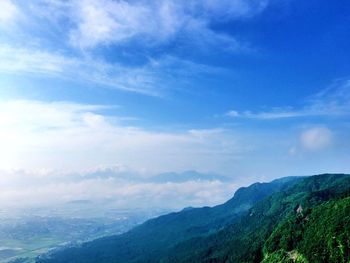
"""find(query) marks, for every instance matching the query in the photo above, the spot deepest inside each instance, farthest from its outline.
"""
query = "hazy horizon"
(127, 90)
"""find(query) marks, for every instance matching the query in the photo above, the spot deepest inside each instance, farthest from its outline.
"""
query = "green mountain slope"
(294, 219)
(313, 235)
(244, 240)
(152, 240)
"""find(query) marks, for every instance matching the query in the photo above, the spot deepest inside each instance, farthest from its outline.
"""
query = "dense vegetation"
(315, 235)
(288, 220)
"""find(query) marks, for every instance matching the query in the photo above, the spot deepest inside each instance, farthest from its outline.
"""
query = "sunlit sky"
(253, 90)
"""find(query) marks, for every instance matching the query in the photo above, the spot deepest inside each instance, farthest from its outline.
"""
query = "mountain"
(187, 176)
(172, 177)
(312, 235)
(265, 222)
(153, 238)
(247, 239)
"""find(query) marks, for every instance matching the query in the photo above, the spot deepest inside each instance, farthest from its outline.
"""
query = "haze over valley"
(174, 131)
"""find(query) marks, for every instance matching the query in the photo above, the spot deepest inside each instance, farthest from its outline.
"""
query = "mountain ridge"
(206, 234)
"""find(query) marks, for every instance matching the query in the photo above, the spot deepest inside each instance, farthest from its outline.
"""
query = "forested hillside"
(303, 219)
(312, 235)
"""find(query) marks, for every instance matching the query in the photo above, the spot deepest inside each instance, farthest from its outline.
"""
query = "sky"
(252, 90)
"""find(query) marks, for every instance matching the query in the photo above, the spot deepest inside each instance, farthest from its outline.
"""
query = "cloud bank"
(21, 189)
(49, 148)
(36, 134)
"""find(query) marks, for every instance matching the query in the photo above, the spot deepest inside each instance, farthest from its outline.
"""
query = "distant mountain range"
(293, 219)
(170, 177)
(188, 176)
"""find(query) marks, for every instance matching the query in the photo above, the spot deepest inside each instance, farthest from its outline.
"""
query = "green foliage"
(326, 237)
(321, 234)
(291, 220)
(151, 241)
(244, 240)
(285, 257)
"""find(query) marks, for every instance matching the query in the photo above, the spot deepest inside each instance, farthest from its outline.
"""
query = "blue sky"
(250, 89)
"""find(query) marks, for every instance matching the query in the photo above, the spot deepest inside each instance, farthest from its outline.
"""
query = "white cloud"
(76, 137)
(33, 61)
(28, 189)
(233, 114)
(87, 24)
(332, 101)
(108, 22)
(271, 115)
(8, 12)
(316, 138)
(150, 79)
(56, 135)
(105, 22)
(51, 147)
(90, 23)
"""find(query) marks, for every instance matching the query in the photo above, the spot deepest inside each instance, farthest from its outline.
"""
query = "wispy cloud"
(280, 113)
(332, 101)
(152, 78)
(113, 22)
(52, 148)
(157, 22)
(48, 64)
(59, 39)
(38, 134)
(89, 24)
(73, 136)
(105, 22)
(8, 12)
(47, 150)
